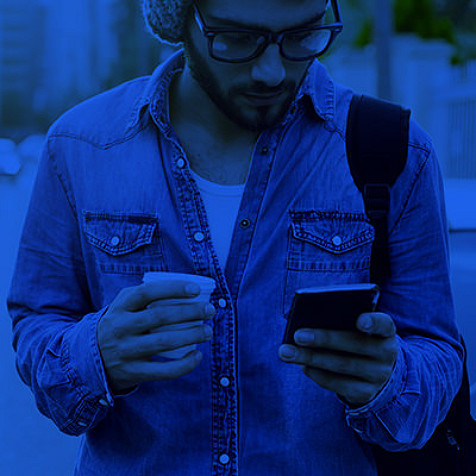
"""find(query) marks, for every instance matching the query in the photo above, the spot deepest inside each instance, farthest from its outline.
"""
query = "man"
(229, 162)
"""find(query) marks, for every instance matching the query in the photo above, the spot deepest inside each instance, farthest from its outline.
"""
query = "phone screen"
(335, 308)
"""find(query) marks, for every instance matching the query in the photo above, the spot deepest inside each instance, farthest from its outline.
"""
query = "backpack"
(377, 147)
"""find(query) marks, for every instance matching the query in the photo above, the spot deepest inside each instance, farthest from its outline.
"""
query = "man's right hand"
(126, 345)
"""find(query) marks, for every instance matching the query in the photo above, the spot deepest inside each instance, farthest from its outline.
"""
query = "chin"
(256, 119)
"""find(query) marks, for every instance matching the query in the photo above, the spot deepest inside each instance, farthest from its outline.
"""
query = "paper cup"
(207, 285)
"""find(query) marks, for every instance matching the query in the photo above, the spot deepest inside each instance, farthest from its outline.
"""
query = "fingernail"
(288, 353)
(210, 309)
(304, 337)
(366, 323)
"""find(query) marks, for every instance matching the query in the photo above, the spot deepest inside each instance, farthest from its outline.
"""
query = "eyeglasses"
(233, 45)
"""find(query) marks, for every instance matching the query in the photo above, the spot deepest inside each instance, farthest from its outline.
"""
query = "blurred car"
(31, 147)
(10, 163)
(460, 198)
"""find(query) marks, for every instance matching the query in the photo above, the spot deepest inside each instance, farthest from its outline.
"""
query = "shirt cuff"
(83, 359)
(356, 417)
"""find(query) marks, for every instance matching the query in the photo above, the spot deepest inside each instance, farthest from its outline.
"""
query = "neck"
(204, 117)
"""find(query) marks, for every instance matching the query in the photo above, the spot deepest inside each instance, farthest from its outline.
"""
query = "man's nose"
(268, 67)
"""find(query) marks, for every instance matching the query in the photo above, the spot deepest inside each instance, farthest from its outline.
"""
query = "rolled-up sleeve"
(418, 297)
(54, 325)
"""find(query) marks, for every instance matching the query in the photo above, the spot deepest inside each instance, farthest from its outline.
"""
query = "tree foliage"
(420, 17)
(461, 13)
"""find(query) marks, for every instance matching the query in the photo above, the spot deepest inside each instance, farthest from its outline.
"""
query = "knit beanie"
(166, 18)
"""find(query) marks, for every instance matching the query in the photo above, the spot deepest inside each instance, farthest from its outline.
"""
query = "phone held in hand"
(331, 307)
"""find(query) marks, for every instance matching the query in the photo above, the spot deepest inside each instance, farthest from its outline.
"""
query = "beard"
(254, 119)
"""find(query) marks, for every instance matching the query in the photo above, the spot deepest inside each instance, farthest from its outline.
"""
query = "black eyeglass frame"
(270, 36)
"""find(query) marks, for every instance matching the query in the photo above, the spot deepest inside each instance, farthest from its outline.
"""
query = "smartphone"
(330, 307)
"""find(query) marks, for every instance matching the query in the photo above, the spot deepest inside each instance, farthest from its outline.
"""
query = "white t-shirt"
(222, 203)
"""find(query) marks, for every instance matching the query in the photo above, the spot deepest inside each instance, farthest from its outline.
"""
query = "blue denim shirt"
(113, 166)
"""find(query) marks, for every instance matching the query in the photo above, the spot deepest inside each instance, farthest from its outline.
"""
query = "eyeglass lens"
(241, 45)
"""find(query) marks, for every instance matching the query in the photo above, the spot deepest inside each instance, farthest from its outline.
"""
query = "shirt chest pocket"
(326, 248)
(128, 244)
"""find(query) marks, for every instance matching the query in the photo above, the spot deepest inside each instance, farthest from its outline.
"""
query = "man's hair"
(166, 19)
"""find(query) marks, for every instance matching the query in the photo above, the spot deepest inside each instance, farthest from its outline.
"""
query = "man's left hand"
(354, 364)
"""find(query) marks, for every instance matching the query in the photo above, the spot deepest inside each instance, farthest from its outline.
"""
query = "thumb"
(376, 323)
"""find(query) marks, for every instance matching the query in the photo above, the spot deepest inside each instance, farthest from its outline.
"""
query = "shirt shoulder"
(418, 139)
(104, 119)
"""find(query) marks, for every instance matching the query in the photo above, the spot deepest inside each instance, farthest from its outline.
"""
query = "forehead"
(272, 14)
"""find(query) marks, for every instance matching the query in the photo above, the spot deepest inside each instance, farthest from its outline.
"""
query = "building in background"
(22, 30)
(79, 48)
(56, 53)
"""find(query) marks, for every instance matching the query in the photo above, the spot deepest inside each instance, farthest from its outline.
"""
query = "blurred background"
(54, 54)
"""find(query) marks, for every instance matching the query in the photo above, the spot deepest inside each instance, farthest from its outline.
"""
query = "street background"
(54, 54)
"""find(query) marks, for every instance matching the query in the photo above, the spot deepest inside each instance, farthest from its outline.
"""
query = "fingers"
(161, 314)
(353, 390)
(138, 297)
(357, 367)
(346, 341)
(374, 340)
(145, 346)
(142, 371)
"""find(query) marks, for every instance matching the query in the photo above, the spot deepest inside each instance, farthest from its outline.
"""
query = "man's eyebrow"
(230, 22)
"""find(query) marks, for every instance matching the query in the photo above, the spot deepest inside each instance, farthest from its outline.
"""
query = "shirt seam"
(49, 253)
(412, 187)
(105, 146)
(73, 209)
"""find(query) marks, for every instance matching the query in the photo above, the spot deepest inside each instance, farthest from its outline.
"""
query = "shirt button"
(222, 303)
(224, 458)
(180, 163)
(81, 423)
(337, 240)
(245, 223)
(103, 402)
(225, 382)
(264, 150)
(115, 241)
(199, 236)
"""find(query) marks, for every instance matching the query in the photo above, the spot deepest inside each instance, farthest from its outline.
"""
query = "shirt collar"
(156, 92)
(317, 86)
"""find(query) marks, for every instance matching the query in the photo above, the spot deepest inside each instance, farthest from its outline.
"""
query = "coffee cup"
(207, 285)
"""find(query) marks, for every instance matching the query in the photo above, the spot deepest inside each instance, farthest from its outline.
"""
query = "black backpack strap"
(377, 148)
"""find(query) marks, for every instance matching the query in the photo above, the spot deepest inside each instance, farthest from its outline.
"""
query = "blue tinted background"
(54, 54)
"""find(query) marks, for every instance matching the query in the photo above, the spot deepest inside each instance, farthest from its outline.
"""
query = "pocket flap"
(118, 234)
(333, 231)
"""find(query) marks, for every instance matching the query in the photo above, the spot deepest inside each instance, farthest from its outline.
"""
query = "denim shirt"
(113, 167)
